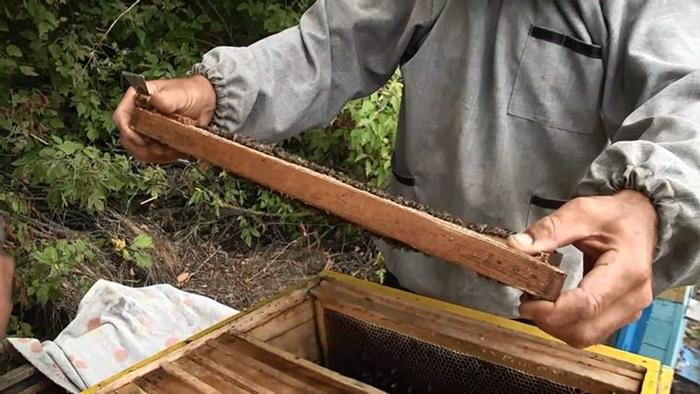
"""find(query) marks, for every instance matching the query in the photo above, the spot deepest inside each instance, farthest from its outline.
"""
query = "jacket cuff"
(603, 181)
(228, 70)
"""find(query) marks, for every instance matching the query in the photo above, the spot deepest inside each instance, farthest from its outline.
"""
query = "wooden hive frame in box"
(403, 222)
(395, 340)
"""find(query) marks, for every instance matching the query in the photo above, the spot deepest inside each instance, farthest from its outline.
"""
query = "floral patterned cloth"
(117, 326)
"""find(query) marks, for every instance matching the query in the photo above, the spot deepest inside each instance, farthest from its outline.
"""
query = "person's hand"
(617, 235)
(191, 97)
(7, 272)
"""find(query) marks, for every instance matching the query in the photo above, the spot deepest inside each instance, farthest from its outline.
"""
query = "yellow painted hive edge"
(653, 367)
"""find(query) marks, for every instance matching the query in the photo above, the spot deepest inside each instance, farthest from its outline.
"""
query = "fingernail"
(523, 239)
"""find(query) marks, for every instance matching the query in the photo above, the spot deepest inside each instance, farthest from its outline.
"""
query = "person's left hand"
(617, 235)
(7, 272)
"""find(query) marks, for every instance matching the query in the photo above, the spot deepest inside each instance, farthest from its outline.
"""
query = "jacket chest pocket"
(559, 82)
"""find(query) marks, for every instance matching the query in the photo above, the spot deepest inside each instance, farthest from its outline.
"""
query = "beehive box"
(339, 334)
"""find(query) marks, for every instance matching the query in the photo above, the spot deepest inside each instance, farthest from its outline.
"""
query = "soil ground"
(223, 269)
(241, 279)
(219, 266)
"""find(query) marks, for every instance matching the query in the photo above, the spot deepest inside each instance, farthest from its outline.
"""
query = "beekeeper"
(577, 122)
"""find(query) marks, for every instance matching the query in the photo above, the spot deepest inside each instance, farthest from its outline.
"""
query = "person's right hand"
(193, 97)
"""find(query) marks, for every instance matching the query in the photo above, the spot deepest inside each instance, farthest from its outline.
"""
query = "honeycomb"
(398, 363)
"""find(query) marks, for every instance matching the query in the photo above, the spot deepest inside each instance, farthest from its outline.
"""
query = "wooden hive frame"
(281, 346)
(489, 256)
(23, 378)
(26, 379)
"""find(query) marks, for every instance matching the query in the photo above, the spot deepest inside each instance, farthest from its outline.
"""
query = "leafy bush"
(137, 251)
(61, 165)
(53, 260)
(75, 174)
(362, 136)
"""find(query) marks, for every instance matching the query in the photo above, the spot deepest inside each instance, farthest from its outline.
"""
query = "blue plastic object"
(689, 365)
(658, 334)
(630, 337)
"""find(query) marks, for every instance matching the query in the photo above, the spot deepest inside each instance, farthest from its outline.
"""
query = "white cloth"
(117, 326)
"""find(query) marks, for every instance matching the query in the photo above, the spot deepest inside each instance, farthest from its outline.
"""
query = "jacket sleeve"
(654, 78)
(301, 77)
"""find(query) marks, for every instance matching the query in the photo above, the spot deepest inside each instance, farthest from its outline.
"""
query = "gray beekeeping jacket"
(508, 108)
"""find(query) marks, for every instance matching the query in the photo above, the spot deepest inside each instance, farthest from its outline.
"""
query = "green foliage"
(138, 251)
(77, 174)
(11, 203)
(275, 16)
(20, 328)
(249, 232)
(363, 135)
(60, 155)
(216, 193)
(372, 139)
(53, 263)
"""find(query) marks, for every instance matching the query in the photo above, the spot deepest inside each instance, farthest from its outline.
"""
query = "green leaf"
(247, 238)
(13, 51)
(91, 152)
(28, 71)
(56, 123)
(69, 147)
(142, 241)
(92, 134)
(81, 108)
(95, 201)
(143, 260)
(25, 329)
(42, 294)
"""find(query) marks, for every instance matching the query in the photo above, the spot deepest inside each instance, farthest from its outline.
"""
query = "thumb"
(568, 224)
